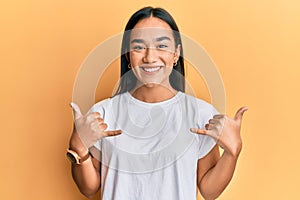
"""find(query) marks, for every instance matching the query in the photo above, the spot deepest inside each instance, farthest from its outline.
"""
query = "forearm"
(217, 178)
(87, 174)
(86, 177)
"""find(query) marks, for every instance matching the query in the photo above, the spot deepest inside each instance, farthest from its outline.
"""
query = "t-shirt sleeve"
(206, 143)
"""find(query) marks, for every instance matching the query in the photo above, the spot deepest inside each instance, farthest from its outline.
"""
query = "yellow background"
(255, 45)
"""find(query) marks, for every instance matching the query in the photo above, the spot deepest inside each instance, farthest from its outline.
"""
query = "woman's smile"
(151, 69)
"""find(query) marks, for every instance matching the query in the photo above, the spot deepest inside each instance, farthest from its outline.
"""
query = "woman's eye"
(138, 48)
(162, 46)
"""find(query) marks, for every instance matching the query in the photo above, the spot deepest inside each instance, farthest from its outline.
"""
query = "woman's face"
(153, 52)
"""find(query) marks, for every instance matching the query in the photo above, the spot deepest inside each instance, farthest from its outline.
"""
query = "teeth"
(151, 69)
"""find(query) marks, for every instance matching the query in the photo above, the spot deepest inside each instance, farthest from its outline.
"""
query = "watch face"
(71, 157)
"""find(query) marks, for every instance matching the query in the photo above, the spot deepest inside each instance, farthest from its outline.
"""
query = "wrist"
(82, 152)
(231, 154)
(234, 149)
(77, 145)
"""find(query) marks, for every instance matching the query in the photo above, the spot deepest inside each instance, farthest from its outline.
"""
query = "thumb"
(76, 111)
(239, 114)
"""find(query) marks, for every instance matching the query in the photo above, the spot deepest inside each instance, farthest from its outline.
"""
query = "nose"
(150, 55)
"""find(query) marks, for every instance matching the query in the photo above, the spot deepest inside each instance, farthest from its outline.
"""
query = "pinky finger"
(198, 131)
(112, 133)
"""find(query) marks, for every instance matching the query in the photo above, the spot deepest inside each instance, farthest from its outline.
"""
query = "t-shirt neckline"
(165, 102)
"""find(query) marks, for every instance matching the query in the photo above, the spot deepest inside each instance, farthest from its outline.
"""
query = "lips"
(151, 69)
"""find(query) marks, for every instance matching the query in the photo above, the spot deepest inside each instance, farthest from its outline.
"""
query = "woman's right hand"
(90, 128)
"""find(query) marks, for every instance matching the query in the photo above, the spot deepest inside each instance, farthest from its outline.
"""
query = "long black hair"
(128, 82)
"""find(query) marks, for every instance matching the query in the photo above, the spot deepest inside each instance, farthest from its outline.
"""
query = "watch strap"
(75, 158)
(84, 158)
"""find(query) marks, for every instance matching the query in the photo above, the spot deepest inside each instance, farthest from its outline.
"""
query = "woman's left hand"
(226, 131)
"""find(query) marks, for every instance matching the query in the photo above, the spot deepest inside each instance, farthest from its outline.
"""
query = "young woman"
(151, 140)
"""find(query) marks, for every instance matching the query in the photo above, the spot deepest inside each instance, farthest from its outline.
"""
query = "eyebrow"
(162, 38)
(137, 41)
(157, 39)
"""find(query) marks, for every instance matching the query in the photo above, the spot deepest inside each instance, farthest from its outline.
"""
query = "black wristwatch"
(75, 158)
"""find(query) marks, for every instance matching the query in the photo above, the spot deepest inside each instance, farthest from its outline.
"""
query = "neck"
(153, 93)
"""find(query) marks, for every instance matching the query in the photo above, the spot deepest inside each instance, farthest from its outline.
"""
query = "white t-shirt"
(156, 155)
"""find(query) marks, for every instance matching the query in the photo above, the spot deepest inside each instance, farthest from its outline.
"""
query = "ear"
(177, 53)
